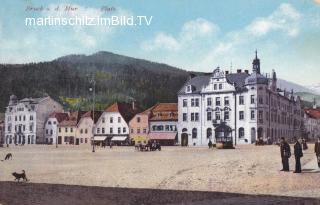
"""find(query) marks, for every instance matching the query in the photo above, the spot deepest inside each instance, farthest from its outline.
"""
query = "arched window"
(184, 130)
(194, 133)
(209, 133)
(241, 132)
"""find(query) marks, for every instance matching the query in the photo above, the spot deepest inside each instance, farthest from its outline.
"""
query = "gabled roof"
(163, 112)
(125, 109)
(73, 119)
(198, 82)
(97, 115)
(59, 116)
(313, 113)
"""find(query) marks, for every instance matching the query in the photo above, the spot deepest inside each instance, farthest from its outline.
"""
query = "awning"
(119, 138)
(162, 135)
(99, 138)
(140, 138)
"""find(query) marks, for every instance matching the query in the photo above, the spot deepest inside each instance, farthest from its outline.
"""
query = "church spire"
(256, 64)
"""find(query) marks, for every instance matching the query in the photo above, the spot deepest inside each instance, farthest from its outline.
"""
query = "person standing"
(210, 144)
(298, 154)
(317, 150)
(285, 154)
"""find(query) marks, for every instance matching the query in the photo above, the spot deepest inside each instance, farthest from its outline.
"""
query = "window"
(86, 131)
(209, 133)
(111, 130)
(218, 116)
(197, 102)
(194, 133)
(49, 122)
(124, 130)
(184, 117)
(81, 140)
(71, 129)
(119, 119)
(111, 119)
(85, 140)
(31, 117)
(192, 102)
(185, 103)
(267, 116)
(103, 120)
(132, 131)
(66, 129)
(241, 132)
(252, 115)
(226, 101)
(226, 115)
(138, 131)
(138, 119)
(54, 122)
(215, 86)
(81, 131)
(119, 130)
(102, 130)
(196, 116)
(15, 118)
(98, 130)
(241, 100)
(260, 100)
(220, 86)
(144, 130)
(252, 99)
(260, 116)
(209, 101)
(192, 116)
(241, 115)
(189, 88)
(51, 132)
(209, 116)
(217, 101)
(47, 131)
(59, 128)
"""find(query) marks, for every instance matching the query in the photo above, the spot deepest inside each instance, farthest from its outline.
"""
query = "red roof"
(125, 109)
(73, 119)
(59, 116)
(313, 113)
(164, 112)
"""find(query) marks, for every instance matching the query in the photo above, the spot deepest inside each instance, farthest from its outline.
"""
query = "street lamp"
(93, 90)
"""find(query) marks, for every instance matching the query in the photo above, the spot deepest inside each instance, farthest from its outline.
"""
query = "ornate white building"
(250, 106)
(25, 119)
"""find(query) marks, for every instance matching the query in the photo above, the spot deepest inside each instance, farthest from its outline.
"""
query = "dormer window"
(190, 89)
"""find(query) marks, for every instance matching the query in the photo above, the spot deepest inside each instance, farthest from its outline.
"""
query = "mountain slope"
(117, 78)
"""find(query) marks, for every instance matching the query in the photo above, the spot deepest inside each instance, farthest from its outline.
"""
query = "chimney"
(246, 71)
(227, 72)
(239, 71)
(133, 104)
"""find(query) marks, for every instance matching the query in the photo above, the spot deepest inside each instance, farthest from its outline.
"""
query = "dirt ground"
(248, 169)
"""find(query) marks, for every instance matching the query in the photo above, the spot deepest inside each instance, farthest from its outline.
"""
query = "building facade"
(84, 132)
(312, 123)
(25, 119)
(249, 104)
(156, 123)
(113, 124)
(51, 127)
(67, 129)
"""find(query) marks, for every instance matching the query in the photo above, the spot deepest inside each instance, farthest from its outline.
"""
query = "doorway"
(184, 139)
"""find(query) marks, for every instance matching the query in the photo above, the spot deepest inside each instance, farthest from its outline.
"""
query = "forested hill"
(118, 77)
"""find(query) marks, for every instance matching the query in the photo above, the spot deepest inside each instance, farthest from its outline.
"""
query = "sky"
(195, 35)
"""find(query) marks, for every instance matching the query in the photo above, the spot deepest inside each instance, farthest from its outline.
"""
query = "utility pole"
(93, 90)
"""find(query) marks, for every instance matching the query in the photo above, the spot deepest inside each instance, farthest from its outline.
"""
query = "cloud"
(192, 32)
(285, 19)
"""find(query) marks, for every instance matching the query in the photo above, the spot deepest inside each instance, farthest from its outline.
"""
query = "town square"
(140, 102)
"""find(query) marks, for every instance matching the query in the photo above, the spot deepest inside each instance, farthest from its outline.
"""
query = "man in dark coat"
(298, 154)
(285, 154)
(317, 150)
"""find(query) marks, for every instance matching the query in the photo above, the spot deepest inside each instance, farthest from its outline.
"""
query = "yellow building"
(67, 129)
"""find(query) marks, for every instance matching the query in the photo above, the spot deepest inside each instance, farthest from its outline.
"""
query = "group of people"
(298, 146)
